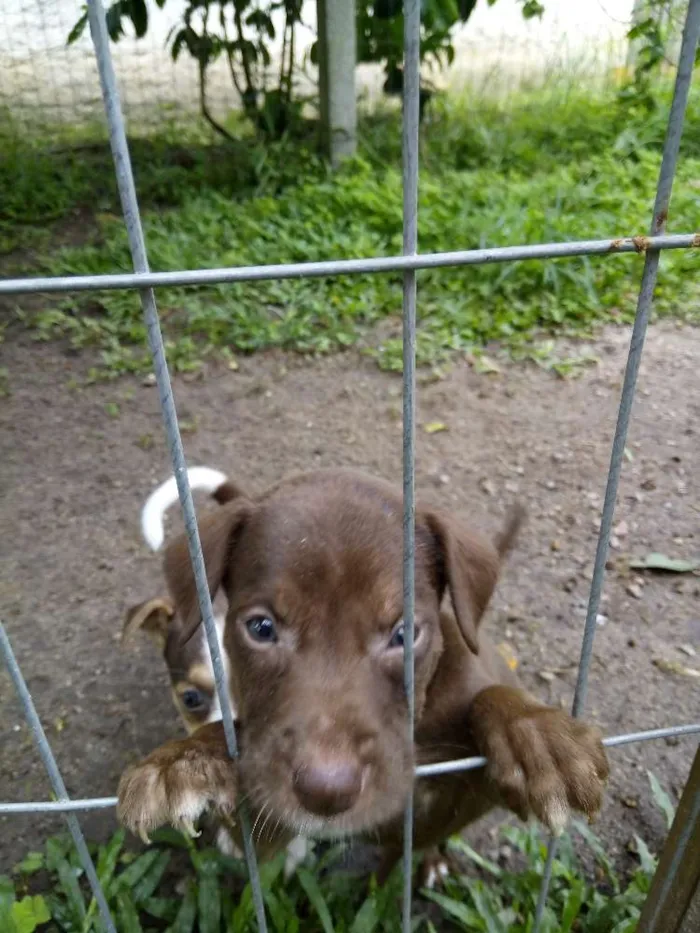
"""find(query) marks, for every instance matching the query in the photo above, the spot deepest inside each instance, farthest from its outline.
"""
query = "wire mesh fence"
(145, 282)
(46, 83)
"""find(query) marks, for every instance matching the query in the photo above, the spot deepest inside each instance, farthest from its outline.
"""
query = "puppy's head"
(188, 660)
(314, 636)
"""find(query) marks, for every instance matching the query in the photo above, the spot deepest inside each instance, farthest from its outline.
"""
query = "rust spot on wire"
(696, 241)
(641, 243)
(661, 219)
(617, 244)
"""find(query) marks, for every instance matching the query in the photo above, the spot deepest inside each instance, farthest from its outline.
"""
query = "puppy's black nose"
(327, 786)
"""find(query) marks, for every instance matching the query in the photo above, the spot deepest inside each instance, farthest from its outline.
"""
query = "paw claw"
(556, 817)
(542, 762)
(187, 827)
(175, 785)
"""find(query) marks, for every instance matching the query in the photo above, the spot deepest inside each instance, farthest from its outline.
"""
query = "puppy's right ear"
(217, 532)
(153, 617)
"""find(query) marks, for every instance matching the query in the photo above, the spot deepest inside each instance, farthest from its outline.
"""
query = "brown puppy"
(312, 571)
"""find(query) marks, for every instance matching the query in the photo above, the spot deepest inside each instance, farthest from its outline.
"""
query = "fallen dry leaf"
(674, 667)
(508, 655)
(484, 364)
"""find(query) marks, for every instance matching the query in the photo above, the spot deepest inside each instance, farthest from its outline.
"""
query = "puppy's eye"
(397, 636)
(193, 699)
(261, 628)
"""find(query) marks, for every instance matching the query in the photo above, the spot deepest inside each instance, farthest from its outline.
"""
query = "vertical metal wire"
(47, 756)
(667, 172)
(130, 208)
(411, 88)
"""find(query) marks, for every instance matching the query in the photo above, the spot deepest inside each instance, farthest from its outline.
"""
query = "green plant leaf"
(130, 877)
(209, 904)
(164, 908)
(661, 562)
(646, 859)
(77, 30)
(662, 800)
(128, 916)
(29, 913)
(601, 856)
(457, 910)
(30, 864)
(572, 906)
(68, 882)
(149, 880)
(313, 892)
(367, 917)
(187, 914)
(462, 846)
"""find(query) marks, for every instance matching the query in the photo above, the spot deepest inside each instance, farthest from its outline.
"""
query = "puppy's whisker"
(257, 820)
(270, 815)
(275, 828)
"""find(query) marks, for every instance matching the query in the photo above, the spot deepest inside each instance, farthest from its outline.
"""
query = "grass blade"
(131, 876)
(462, 846)
(150, 880)
(187, 914)
(467, 916)
(662, 800)
(209, 904)
(313, 892)
(128, 914)
(367, 917)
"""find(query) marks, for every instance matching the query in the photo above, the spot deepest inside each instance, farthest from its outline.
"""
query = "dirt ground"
(78, 464)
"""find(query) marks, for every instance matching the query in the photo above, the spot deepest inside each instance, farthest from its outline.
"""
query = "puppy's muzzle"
(328, 786)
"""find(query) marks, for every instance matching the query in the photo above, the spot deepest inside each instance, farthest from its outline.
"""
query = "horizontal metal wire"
(56, 779)
(440, 767)
(60, 806)
(301, 270)
(469, 764)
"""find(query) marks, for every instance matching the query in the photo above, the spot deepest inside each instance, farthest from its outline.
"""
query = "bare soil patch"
(78, 463)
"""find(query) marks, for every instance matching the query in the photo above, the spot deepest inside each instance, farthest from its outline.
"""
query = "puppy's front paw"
(541, 760)
(176, 783)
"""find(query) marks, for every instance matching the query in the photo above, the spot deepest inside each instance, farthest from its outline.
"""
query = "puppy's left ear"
(469, 566)
(153, 617)
(217, 532)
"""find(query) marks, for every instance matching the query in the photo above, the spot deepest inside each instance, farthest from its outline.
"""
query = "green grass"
(178, 887)
(551, 165)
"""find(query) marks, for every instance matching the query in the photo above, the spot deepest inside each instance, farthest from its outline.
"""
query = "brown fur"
(321, 555)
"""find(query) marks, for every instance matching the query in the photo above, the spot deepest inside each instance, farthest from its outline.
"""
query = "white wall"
(497, 45)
